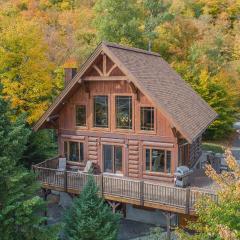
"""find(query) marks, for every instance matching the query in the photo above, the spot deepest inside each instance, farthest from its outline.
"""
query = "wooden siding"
(112, 88)
(131, 140)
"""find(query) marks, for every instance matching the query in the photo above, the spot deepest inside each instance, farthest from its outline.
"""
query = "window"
(73, 151)
(101, 111)
(147, 118)
(112, 158)
(81, 115)
(123, 112)
(157, 160)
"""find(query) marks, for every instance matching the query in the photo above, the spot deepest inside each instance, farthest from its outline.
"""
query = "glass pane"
(158, 160)
(168, 167)
(147, 159)
(124, 112)
(81, 115)
(147, 118)
(118, 159)
(73, 151)
(81, 152)
(101, 111)
(66, 150)
(107, 158)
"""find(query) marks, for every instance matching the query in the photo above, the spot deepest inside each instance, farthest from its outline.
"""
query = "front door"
(112, 158)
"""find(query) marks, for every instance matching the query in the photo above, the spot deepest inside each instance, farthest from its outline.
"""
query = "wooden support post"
(124, 209)
(65, 180)
(187, 201)
(168, 216)
(114, 205)
(168, 226)
(141, 192)
(101, 184)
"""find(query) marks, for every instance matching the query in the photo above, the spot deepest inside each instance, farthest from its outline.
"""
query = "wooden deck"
(143, 193)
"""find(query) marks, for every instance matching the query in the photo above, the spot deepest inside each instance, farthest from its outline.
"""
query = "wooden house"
(131, 114)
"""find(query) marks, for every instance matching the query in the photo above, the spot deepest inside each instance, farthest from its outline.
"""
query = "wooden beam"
(114, 205)
(98, 70)
(135, 90)
(111, 69)
(105, 78)
(168, 216)
(87, 90)
(104, 65)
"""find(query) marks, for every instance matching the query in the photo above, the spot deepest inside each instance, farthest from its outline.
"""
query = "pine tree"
(20, 207)
(41, 145)
(90, 218)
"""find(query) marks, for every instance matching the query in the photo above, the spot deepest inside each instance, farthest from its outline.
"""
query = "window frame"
(151, 148)
(154, 119)
(68, 150)
(109, 112)
(86, 120)
(114, 112)
(123, 158)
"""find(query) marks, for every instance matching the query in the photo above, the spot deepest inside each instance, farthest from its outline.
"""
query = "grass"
(215, 147)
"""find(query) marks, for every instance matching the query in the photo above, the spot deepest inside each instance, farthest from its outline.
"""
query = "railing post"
(187, 204)
(141, 192)
(65, 180)
(101, 184)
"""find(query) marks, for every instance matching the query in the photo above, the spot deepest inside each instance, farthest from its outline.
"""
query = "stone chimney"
(70, 70)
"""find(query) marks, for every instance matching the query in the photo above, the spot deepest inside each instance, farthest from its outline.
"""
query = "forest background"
(38, 38)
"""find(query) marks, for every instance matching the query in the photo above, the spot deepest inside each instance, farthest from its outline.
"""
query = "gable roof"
(184, 108)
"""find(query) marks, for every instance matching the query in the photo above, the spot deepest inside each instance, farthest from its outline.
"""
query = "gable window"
(147, 118)
(81, 115)
(74, 151)
(157, 160)
(123, 112)
(101, 111)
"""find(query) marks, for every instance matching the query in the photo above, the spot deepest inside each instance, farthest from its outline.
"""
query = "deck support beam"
(168, 216)
(114, 205)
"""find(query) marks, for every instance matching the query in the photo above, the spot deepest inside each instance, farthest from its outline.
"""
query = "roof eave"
(62, 95)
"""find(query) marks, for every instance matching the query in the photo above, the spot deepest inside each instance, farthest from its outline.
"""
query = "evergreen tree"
(20, 207)
(41, 145)
(90, 218)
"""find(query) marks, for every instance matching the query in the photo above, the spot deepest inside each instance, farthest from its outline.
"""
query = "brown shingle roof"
(186, 110)
(181, 103)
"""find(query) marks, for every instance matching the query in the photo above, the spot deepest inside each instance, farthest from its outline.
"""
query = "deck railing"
(143, 192)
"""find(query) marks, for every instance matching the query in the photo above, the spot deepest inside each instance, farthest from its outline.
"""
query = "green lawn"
(215, 147)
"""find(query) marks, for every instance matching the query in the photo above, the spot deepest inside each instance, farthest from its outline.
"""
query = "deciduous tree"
(221, 219)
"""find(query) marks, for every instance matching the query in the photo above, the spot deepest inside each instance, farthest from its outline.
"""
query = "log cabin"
(129, 113)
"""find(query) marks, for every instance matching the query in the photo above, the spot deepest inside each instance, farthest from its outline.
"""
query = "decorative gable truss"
(103, 69)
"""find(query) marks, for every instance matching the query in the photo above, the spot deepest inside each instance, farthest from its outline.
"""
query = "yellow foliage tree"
(221, 219)
(25, 69)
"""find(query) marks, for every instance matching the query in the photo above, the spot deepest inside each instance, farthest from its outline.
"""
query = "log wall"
(132, 140)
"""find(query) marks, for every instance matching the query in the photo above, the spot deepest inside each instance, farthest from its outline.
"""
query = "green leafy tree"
(90, 218)
(119, 21)
(20, 207)
(156, 12)
(219, 220)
